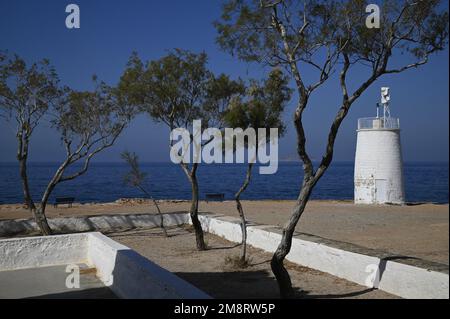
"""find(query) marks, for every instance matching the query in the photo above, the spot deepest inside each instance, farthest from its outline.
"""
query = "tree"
(135, 178)
(328, 36)
(26, 95)
(176, 90)
(88, 122)
(261, 107)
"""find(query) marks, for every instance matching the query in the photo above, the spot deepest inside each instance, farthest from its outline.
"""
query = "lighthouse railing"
(374, 123)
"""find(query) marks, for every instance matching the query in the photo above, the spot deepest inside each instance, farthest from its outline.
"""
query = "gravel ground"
(213, 272)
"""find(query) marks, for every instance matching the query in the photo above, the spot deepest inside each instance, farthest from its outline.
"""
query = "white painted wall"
(379, 167)
(125, 272)
(32, 252)
(371, 271)
(414, 282)
(103, 223)
(130, 275)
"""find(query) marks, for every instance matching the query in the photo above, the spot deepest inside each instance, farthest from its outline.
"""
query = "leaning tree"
(87, 122)
(135, 177)
(328, 37)
(260, 109)
(176, 90)
(26, 95)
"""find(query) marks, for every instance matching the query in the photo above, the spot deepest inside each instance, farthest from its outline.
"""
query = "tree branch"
(406, 67)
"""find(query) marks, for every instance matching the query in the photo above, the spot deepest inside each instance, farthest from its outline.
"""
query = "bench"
(215, 196)
(64, 200)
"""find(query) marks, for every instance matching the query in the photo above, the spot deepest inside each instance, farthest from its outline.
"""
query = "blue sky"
(111, 30)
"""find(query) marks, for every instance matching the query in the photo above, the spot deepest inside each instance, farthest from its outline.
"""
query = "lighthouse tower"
(378, 161)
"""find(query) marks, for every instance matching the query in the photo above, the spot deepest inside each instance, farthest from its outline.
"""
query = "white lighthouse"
(378, 160)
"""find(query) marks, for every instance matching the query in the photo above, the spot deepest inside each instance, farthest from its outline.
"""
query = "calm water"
(424, 182)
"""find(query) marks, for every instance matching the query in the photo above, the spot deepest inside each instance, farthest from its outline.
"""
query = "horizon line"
(169, 162)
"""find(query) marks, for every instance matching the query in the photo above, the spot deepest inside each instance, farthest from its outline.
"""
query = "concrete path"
(50, 283)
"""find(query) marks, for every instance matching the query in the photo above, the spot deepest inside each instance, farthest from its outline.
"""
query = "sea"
(424, 182)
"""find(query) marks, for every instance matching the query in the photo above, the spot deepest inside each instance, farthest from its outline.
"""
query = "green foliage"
(286, 31)
(262, 106)
(86, 119)
(129, 90)
(177, 88)
(220, 92)
(134, 177)
(26, 92)
(247, 29)
(90, 115)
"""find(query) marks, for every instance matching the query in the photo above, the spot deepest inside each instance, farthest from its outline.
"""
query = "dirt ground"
(210, 271)
(414, 230)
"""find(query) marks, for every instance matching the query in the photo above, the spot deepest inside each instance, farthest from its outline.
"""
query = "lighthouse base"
(378, 167)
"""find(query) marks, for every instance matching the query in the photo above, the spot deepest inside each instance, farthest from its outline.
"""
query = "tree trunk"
(40, 213)
(39, 216)
(26, 189)
(243, 255)
(280, 272)
(41, 219)
(161, 218)
(193, 212)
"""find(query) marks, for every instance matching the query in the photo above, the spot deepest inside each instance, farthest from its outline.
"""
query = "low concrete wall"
(130, 275)
(124, 271)
(399, 275)
(104, 223)
(413, 282)
(33, 252)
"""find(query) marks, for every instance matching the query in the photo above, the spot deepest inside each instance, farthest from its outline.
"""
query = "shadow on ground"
(249, 285)
(94, 293)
